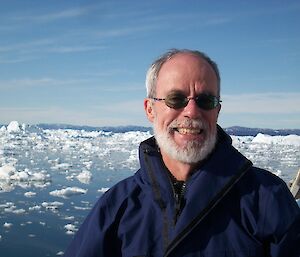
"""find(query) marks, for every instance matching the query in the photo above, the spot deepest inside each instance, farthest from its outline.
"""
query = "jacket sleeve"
(282, 223)
(97, 235)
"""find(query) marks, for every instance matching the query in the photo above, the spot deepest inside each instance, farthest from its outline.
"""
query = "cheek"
(211, 119)
(163, 116)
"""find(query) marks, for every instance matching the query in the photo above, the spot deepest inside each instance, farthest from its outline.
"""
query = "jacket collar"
(223, 165)
(216, 172)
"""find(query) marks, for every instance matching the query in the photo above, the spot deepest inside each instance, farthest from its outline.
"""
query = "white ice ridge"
(68, 192)
(13, 127)
(280, 140)
(9, 172)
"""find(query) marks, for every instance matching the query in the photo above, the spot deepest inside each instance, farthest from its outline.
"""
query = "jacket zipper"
(194, 223)
(179, 200)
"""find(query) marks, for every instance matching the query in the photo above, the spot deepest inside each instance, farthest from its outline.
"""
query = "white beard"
(194, 151)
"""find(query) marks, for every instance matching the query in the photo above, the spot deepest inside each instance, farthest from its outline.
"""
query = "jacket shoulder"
(118, 193)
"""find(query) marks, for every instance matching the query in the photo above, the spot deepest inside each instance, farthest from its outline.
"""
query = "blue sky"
(84, 62)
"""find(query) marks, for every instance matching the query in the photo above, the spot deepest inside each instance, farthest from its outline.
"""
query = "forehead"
(186, 71)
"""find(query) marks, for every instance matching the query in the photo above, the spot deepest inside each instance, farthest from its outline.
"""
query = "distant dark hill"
(235, 130)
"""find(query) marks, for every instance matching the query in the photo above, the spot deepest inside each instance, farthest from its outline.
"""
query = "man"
(194, 195)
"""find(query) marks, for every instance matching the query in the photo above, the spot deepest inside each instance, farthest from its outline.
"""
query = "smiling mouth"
(188, 131)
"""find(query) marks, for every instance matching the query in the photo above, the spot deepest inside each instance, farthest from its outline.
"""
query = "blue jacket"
(231, 209)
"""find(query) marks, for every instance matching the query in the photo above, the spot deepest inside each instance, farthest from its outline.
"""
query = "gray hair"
(152, 73)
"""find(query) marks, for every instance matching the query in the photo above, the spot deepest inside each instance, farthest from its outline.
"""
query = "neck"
(181, 171)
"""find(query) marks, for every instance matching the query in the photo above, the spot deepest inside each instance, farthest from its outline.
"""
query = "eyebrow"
(178, 91)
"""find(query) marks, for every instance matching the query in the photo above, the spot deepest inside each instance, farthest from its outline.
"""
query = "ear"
(148, 106)
(219, 109)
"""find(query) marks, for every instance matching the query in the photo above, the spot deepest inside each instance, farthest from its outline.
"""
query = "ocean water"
(50, 179)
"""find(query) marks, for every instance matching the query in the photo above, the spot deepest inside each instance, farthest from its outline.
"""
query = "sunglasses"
(178, 101)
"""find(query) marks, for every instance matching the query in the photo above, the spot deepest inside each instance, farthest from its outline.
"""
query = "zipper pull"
(179, 201)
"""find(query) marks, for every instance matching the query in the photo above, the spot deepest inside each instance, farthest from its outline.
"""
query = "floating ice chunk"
(103, 190)
(30, 194)
(18, 211)
(6, 205)
(11, 208)
(88, 164)
(69, 217)
(13, 127)
(81, 208)
(40, 176)
(6, 171)
(7, 225)
(35, 208)
(67, 192)
(71, 229)
(21, 176)
(61, 166)
(84, 177)
(52, 206)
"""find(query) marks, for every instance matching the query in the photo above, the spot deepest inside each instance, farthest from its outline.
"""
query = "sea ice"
(84, 177)
(30, 194)
(52, 206)
(7, 225)
(103, 190)
(6, 171)
(13, 127)
(68, 192)
(281, 140)
(35, 208)
(71, 229)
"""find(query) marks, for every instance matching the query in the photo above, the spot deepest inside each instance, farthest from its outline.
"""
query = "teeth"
(186, 131)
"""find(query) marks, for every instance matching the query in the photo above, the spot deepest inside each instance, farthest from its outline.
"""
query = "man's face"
(187, 134)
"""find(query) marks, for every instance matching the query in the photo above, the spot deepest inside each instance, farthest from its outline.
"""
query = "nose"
(192, 110)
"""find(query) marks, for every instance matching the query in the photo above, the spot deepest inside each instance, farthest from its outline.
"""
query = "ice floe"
(84, 177)
(70, 229)
(103, 190)
(7, 225)
(52, 206)
(280, 140)
(13, 127)
(68, 192)
(30, 194)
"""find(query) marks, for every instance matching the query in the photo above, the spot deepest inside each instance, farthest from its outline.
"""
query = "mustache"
(188, 123)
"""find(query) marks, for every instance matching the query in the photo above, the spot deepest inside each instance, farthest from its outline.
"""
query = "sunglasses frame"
(214, 100)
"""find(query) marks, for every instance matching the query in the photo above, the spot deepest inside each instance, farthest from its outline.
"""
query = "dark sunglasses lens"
(207, 102)
(176, 101)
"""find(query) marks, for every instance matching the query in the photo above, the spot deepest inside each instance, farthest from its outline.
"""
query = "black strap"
(161, 203)
(212, 204)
